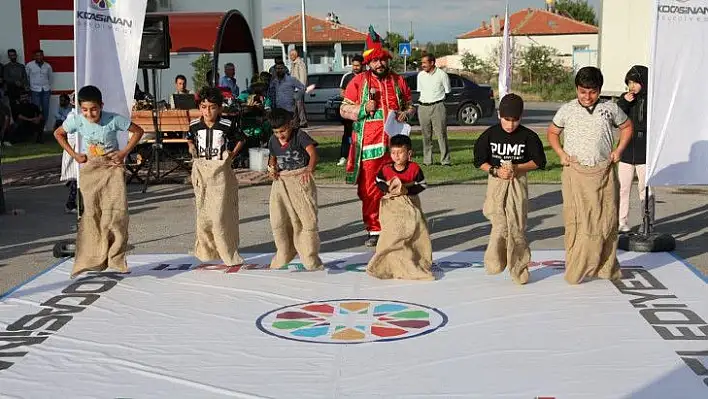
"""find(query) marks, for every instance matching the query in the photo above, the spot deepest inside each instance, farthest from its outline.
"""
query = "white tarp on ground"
(677, 143)
(171, 330)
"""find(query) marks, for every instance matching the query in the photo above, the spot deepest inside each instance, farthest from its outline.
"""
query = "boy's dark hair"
(178, 77)
(90, 94)
(401, 140)
(359, 58)
(279, 117)
(589, 78)
(211, 94)
(64, 97)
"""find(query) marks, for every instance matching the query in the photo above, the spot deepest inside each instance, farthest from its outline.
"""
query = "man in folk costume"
(368, 100)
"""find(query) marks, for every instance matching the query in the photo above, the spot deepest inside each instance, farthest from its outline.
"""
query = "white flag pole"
(506, 58)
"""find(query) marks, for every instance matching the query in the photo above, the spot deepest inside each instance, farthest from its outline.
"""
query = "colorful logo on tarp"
(103, 4)
(351, 321)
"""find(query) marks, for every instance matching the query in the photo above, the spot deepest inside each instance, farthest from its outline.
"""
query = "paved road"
(536, 115)
(162, 221)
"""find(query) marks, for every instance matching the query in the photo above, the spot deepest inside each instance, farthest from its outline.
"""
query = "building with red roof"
(330, 44)
(575, 42)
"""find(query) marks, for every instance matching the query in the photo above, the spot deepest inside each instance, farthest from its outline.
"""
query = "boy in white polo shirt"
(589, 179)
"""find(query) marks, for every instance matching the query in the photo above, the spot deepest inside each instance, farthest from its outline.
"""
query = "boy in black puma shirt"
(507, 151)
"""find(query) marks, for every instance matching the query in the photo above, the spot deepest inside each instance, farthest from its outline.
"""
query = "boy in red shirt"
(404, 250)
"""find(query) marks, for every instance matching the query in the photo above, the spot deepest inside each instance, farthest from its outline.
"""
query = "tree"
(391, 42)
(539, 65)
(203, 64)
(578, 10)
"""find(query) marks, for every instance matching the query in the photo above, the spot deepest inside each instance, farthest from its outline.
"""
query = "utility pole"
(389, 18)
(304, 35)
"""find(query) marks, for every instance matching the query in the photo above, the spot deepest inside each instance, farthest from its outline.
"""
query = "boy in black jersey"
(507, 151)
(214, 141)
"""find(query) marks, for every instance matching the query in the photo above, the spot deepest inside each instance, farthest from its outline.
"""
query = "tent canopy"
(217, 32)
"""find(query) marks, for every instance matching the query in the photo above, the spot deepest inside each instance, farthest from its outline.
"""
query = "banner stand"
(646, 240)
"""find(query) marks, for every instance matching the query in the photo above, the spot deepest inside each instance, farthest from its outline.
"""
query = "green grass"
(462, 171)
(23, 151)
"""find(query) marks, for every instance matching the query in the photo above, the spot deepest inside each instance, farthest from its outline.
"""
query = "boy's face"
(634, 87)
(283, 133)
(210, 111)
(91, 111)
(586, 96)
(401, 155)
(63, 102)
(510, 124)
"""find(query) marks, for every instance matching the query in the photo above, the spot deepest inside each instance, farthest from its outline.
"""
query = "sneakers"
(70, 210)
(623, 228)
(342, 162)
(371, 241)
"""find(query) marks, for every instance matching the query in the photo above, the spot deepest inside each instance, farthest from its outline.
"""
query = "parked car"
(326, 87)
(467, 103)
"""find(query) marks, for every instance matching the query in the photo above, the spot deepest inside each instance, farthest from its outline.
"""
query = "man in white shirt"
(40, 77)
(298, 70)
(433, 85)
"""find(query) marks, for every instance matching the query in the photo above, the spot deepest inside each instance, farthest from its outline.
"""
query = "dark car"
(467, 103)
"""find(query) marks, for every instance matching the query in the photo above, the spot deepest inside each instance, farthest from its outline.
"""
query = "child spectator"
(634, 157)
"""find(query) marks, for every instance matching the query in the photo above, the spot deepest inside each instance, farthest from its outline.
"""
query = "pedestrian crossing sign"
(404, 49)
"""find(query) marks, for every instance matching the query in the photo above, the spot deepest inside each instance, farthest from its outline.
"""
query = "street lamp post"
(304, 34)
(389, 17)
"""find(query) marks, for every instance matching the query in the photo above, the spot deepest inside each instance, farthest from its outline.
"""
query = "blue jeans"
(41, 99)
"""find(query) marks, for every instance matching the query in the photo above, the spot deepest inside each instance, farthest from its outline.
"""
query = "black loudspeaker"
(155, 46)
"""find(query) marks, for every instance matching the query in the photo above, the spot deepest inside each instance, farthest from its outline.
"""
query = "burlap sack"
(293, 219)
(506, 208)
(102, 239)
(590, 204)
(216, 194)
(404, 250)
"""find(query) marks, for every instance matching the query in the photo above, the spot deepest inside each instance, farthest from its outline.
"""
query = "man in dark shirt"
(508, 151)
(357, 68)
(28, 122)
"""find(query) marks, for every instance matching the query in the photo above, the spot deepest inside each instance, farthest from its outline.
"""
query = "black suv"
(467, 103)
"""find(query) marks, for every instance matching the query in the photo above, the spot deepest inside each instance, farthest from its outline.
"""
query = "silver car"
(326, 87)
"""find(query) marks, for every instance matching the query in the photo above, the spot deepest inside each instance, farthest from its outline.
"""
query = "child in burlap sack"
(102, 240)
(404, 250)
(507, 151)
(293, 195)
(589, 180)
(214, 141)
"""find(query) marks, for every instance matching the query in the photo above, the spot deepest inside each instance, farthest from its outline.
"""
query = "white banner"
(677, 143)
(177, 328)
(107, 38)
(506, 59)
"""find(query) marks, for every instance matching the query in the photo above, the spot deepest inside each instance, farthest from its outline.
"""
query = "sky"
(433, 20)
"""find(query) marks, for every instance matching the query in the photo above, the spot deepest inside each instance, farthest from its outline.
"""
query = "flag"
(107, 39)
(506, 59)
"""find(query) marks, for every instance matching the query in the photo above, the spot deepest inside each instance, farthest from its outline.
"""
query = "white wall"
(180, 64)
(11, 36)
(483, 47)
(623, 44)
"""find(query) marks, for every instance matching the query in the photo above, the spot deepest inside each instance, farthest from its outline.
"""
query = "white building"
(576, 42)
(28, 25)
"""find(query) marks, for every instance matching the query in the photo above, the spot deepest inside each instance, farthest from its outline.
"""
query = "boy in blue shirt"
(102, 239)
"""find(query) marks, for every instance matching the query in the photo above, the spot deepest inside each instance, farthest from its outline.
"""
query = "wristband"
(493, 171)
